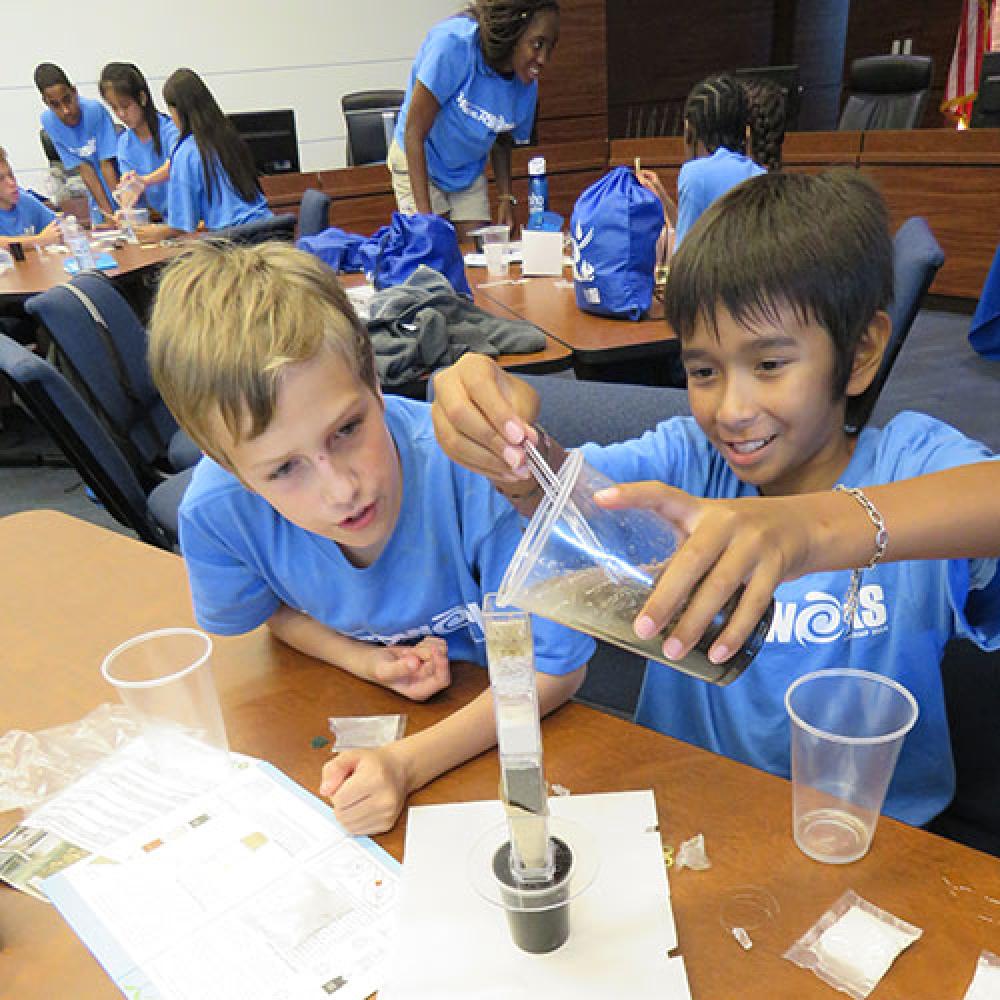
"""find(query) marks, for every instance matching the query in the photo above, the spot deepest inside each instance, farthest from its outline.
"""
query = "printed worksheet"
(252, 891)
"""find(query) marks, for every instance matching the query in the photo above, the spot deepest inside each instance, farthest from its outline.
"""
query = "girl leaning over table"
(472, 93)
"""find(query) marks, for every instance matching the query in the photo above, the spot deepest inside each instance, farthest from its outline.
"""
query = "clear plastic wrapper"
(352, 732)
(852, 945)
(35, 766)
(692, 854)
(985, 983)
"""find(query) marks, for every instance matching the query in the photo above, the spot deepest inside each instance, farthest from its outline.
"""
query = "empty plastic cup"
(848, 727)
(494, 240)
(593, 569)
(165, 678)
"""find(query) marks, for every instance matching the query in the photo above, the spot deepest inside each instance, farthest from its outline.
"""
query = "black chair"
(971, 679)
(90, 449)
(371, 118)
(274, 227)
(314, 212)
(49, 147)
(986, 108)
(887, 92)
(916, 259)
(104, 345)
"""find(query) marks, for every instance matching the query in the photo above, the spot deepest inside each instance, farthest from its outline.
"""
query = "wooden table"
(73, 591)
(40, 272)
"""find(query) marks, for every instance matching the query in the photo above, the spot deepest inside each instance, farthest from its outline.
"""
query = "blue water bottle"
(538, 192)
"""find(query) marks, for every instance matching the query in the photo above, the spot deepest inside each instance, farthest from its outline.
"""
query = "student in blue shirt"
(781, 342)
(472, 93)
(149, 136)
(328, 512)
(23, 218)
(213, 181)
(83, 134)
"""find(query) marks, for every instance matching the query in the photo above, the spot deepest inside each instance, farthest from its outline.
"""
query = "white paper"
(452, 943)
(250, 892)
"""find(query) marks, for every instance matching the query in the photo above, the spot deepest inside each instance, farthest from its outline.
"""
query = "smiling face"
(326, 462)
(65, 102)
(764, 398)
(534, 47)
(8, 187)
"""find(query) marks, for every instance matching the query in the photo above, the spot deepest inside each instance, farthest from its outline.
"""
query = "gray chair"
(274, 227)
(371, 119)
(887, 92)
(576, 412)
(314, 212)
(90, 449)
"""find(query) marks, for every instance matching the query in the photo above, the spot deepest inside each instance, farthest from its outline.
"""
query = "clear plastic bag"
(985, 983)
(35, 766)
(352, 732)
(6, 260)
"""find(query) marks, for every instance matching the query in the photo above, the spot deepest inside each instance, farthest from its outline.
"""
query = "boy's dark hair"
(818, 245)
(127, 79)
(502, 22)
(50, 75)
(218, 142)
(716, 111)
(766, 117)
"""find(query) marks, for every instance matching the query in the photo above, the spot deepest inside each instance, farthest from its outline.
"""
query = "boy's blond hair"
(226, 323)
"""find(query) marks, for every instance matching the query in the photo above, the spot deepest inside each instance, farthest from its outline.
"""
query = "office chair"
(314, 212)
(104, 344)
(887, 92)
(986, 108)
(916, 259)
(49, 147)
(371, 119)
(90, 449)
(274, 227)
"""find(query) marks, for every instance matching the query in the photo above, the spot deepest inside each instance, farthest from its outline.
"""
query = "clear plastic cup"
(593, 570)
(165, 678)
(848, 727)
(494, 241)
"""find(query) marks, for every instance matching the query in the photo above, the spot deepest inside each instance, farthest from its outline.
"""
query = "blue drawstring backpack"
(343, 251)
(984, 330)
(615, 225)
(412, 240)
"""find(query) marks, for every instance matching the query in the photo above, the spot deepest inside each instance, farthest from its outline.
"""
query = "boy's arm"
(764, 541)
(368, 788)
(94, 186)
(417, 672)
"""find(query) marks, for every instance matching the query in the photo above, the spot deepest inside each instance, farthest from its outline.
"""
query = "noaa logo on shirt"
(820, 618)
(461, 616)
(88, 149)
(495, 123)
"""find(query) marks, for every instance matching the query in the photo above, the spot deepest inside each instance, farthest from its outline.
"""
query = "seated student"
(213, 181)
(328, 512)
(765, 122)
(780, 343)
(149, 136)
(83, 134)
(23, 218)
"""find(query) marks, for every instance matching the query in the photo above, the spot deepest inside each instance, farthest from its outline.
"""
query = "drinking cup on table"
(165, 678)
(847, 727)
(494, 241)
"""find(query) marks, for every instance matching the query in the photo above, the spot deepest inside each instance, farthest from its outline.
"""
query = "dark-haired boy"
(84, 136)
(781, 342)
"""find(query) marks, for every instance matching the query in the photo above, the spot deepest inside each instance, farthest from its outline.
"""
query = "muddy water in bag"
(593, 570)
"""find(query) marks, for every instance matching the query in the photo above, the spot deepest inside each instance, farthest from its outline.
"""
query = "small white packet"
(985, 983)
(692, 854)
(852, 945)
(352, 732)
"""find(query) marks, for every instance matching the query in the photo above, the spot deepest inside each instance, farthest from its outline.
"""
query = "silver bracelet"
(881, 544)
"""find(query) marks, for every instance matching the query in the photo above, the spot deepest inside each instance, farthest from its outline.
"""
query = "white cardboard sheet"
(450, 942)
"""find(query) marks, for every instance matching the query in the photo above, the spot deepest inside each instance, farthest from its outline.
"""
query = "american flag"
(963, 77)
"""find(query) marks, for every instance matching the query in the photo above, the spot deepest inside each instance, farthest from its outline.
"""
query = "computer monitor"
(272, 139)
(785, 77)
(986, 109)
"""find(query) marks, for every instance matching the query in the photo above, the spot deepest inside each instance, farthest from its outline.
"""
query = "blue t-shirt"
(906, 614)
(706, 178)
(28, 211)
(453, 540)
(134, 154)
(187, 197)
(92, 140)
(477, 104)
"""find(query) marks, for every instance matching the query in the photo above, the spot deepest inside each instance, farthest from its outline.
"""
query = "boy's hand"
(367, 788)
(416, 672)
(482, 415)
(758, 542)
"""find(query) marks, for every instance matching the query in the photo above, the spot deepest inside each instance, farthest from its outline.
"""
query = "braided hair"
(716, 112)
(766, 102)
(502, 22)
